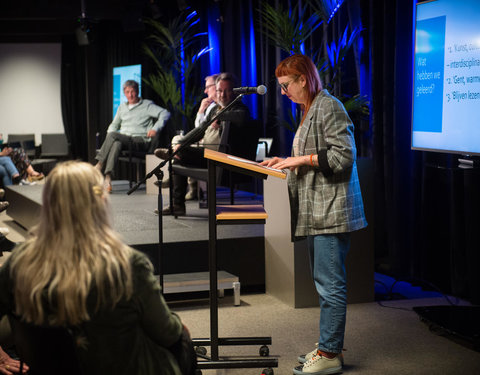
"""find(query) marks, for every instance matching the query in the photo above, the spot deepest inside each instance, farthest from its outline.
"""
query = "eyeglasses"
(284, 85)
(208, 86)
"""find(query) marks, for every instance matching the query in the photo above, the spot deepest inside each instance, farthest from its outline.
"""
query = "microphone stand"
(187, 140)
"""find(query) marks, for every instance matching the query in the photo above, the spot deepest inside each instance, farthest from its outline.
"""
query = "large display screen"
(446, 81)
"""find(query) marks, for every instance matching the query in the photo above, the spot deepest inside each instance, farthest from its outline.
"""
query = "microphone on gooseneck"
(261, 90)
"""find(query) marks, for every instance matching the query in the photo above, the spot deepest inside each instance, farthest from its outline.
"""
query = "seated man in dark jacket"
(209, 138)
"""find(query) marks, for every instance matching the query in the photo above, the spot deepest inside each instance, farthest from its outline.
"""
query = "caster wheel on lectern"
(267, 371)
(264, 351)
(201, 350)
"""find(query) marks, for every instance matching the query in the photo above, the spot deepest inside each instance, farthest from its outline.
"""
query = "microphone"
(261, 90)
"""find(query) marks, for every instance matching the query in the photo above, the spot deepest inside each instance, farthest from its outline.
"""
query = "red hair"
(298, 65)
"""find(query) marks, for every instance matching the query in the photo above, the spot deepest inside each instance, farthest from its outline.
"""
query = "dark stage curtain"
(236, 18)
(87, 108)
(396, 184)
(73, 97)
(115, 47)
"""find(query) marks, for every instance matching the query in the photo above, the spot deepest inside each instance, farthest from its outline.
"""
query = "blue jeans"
(327, 262)
(6, 179)
(8, 170)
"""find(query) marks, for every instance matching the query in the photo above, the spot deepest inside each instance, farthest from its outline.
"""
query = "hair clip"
(97, 190)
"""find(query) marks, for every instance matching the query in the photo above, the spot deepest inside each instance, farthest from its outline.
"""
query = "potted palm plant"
(175, 50)
(291, 28)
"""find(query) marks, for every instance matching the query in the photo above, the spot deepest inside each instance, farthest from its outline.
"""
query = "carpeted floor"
(380, 340)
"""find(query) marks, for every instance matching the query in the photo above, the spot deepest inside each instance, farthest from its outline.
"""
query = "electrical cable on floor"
(389, 292)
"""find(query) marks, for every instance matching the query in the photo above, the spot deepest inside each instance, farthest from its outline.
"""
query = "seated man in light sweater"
(137, 121)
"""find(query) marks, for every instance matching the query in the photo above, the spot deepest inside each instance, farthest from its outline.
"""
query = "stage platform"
(185, 239)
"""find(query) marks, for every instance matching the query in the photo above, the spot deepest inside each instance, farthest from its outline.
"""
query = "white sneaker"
(191, 195)
(320, 365)
(25, 182)
(305, 357)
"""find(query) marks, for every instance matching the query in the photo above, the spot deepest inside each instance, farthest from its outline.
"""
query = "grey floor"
(133, 217)
(379, 340)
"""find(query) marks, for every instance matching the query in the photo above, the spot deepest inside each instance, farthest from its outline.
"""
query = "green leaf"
(175, 50)
(288, 29)
(356, 105)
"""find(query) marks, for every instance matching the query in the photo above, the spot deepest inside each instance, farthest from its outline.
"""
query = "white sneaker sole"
(328, 371)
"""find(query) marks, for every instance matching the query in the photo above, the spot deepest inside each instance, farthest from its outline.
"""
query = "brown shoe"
(165, 183)
(162, 153)
(37, 177)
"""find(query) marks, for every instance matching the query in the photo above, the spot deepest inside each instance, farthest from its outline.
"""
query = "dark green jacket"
(130, 339)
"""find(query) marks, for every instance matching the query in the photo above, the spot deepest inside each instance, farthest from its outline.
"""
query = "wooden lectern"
(225, 215)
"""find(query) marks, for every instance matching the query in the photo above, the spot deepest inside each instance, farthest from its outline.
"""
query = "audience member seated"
(137, 121)
(26, 173)
(210, 138)
(3, 206)
(8, 365)
(206, 105)
(8, 172)
(103, 290)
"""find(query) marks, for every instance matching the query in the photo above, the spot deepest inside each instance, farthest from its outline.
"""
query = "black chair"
(135, 160)
(243, 142)
(50, 350)
(46, 350)
(54, 148)
(238, 140)
(55, 145)
(26, 141)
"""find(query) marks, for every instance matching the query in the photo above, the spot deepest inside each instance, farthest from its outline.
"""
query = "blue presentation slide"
(428, 80)
(446, 82)
(120, 75)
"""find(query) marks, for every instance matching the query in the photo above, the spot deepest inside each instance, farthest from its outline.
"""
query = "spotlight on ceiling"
(82, 36)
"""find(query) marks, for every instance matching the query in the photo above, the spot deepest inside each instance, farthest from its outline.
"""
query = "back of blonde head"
(72, 249)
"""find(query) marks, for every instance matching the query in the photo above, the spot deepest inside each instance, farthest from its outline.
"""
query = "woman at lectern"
(75, 273)
(325, 201)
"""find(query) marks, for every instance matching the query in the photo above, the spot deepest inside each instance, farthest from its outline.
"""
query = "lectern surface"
(241, 212)
(243, 163)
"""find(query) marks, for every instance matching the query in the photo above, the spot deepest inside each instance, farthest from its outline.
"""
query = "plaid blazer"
(327, 198)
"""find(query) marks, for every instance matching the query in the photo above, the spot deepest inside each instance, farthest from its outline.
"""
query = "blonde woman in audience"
(75, 272)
